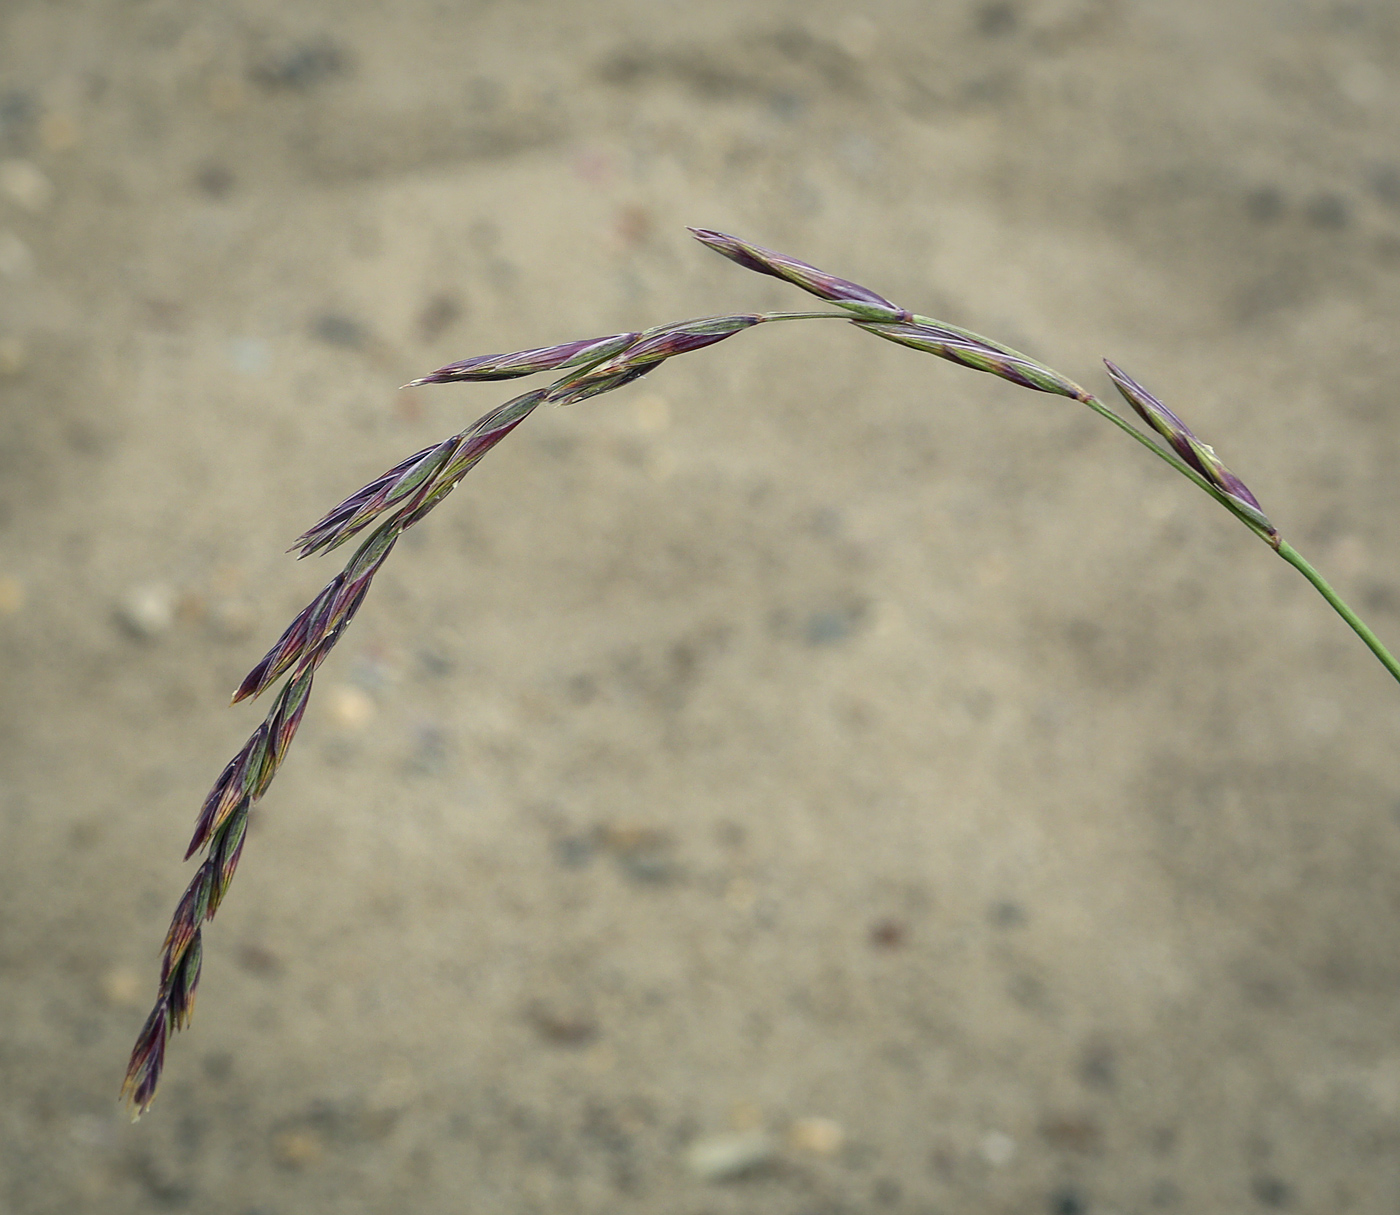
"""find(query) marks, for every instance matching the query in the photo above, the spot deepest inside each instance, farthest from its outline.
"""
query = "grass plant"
(406, 493)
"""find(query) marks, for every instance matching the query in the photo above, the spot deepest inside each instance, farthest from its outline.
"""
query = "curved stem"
(1339, 605)
(1170, 457)
(804, 316)
(1271, 538)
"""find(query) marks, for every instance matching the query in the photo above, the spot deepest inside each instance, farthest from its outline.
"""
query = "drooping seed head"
(842, 292)
(1200, 456)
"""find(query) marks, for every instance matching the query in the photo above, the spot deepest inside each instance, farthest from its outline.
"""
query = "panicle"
(839, 291)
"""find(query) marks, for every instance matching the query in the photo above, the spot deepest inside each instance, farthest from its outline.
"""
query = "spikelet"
(1200, 456)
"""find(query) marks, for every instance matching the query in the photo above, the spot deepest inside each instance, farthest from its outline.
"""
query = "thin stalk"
(1163, 453)
(804, 316)
(1340, 606)
(1278, 543)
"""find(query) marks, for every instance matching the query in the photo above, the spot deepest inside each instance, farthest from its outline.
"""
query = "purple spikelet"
(649, 351)
(147, 1060)
(1200, 456)
(288, 648)
(979, 353)
(528, 362)
(839, 291)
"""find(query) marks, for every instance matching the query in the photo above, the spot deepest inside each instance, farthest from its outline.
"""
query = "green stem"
(1339, 605)
(1280, 545)
(804, 316)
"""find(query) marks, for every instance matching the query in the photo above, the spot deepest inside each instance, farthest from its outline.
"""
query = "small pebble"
(58, 132)
(147, 611)
(643, 853)
(24, 184)
(336, 329)
(227, 94)
(1271, 1192)
(820, 1135)
(857, 35)
(571, 1027)
(121, 987)
(1073, 1133)
(437, 314)
(232, 619)
(296, 1149)
(16, 261)
(258, 960)
(997, 1148)
(250, 356)
(652, 413)
(11, 596)
(729, 1157)
(888, 933)
(14, 356)
(1007, 914)
(215, 180)
(299, 68)
(633, 839)
(573, 851)
(832, 625)
(1067, 1201)
(350, 708)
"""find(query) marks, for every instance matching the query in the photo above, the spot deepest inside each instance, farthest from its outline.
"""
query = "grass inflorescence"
(401, 497)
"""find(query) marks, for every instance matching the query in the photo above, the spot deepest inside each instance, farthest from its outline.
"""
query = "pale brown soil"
(814, 730)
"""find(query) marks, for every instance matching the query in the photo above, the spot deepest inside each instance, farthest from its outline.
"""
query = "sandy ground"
(816, 757)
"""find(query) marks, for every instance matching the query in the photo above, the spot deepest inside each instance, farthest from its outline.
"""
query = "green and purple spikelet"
(401, 497)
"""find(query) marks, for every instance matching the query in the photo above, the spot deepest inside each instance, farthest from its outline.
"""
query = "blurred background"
(814, 779)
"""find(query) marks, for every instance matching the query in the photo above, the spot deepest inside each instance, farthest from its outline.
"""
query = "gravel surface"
(815, 779)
